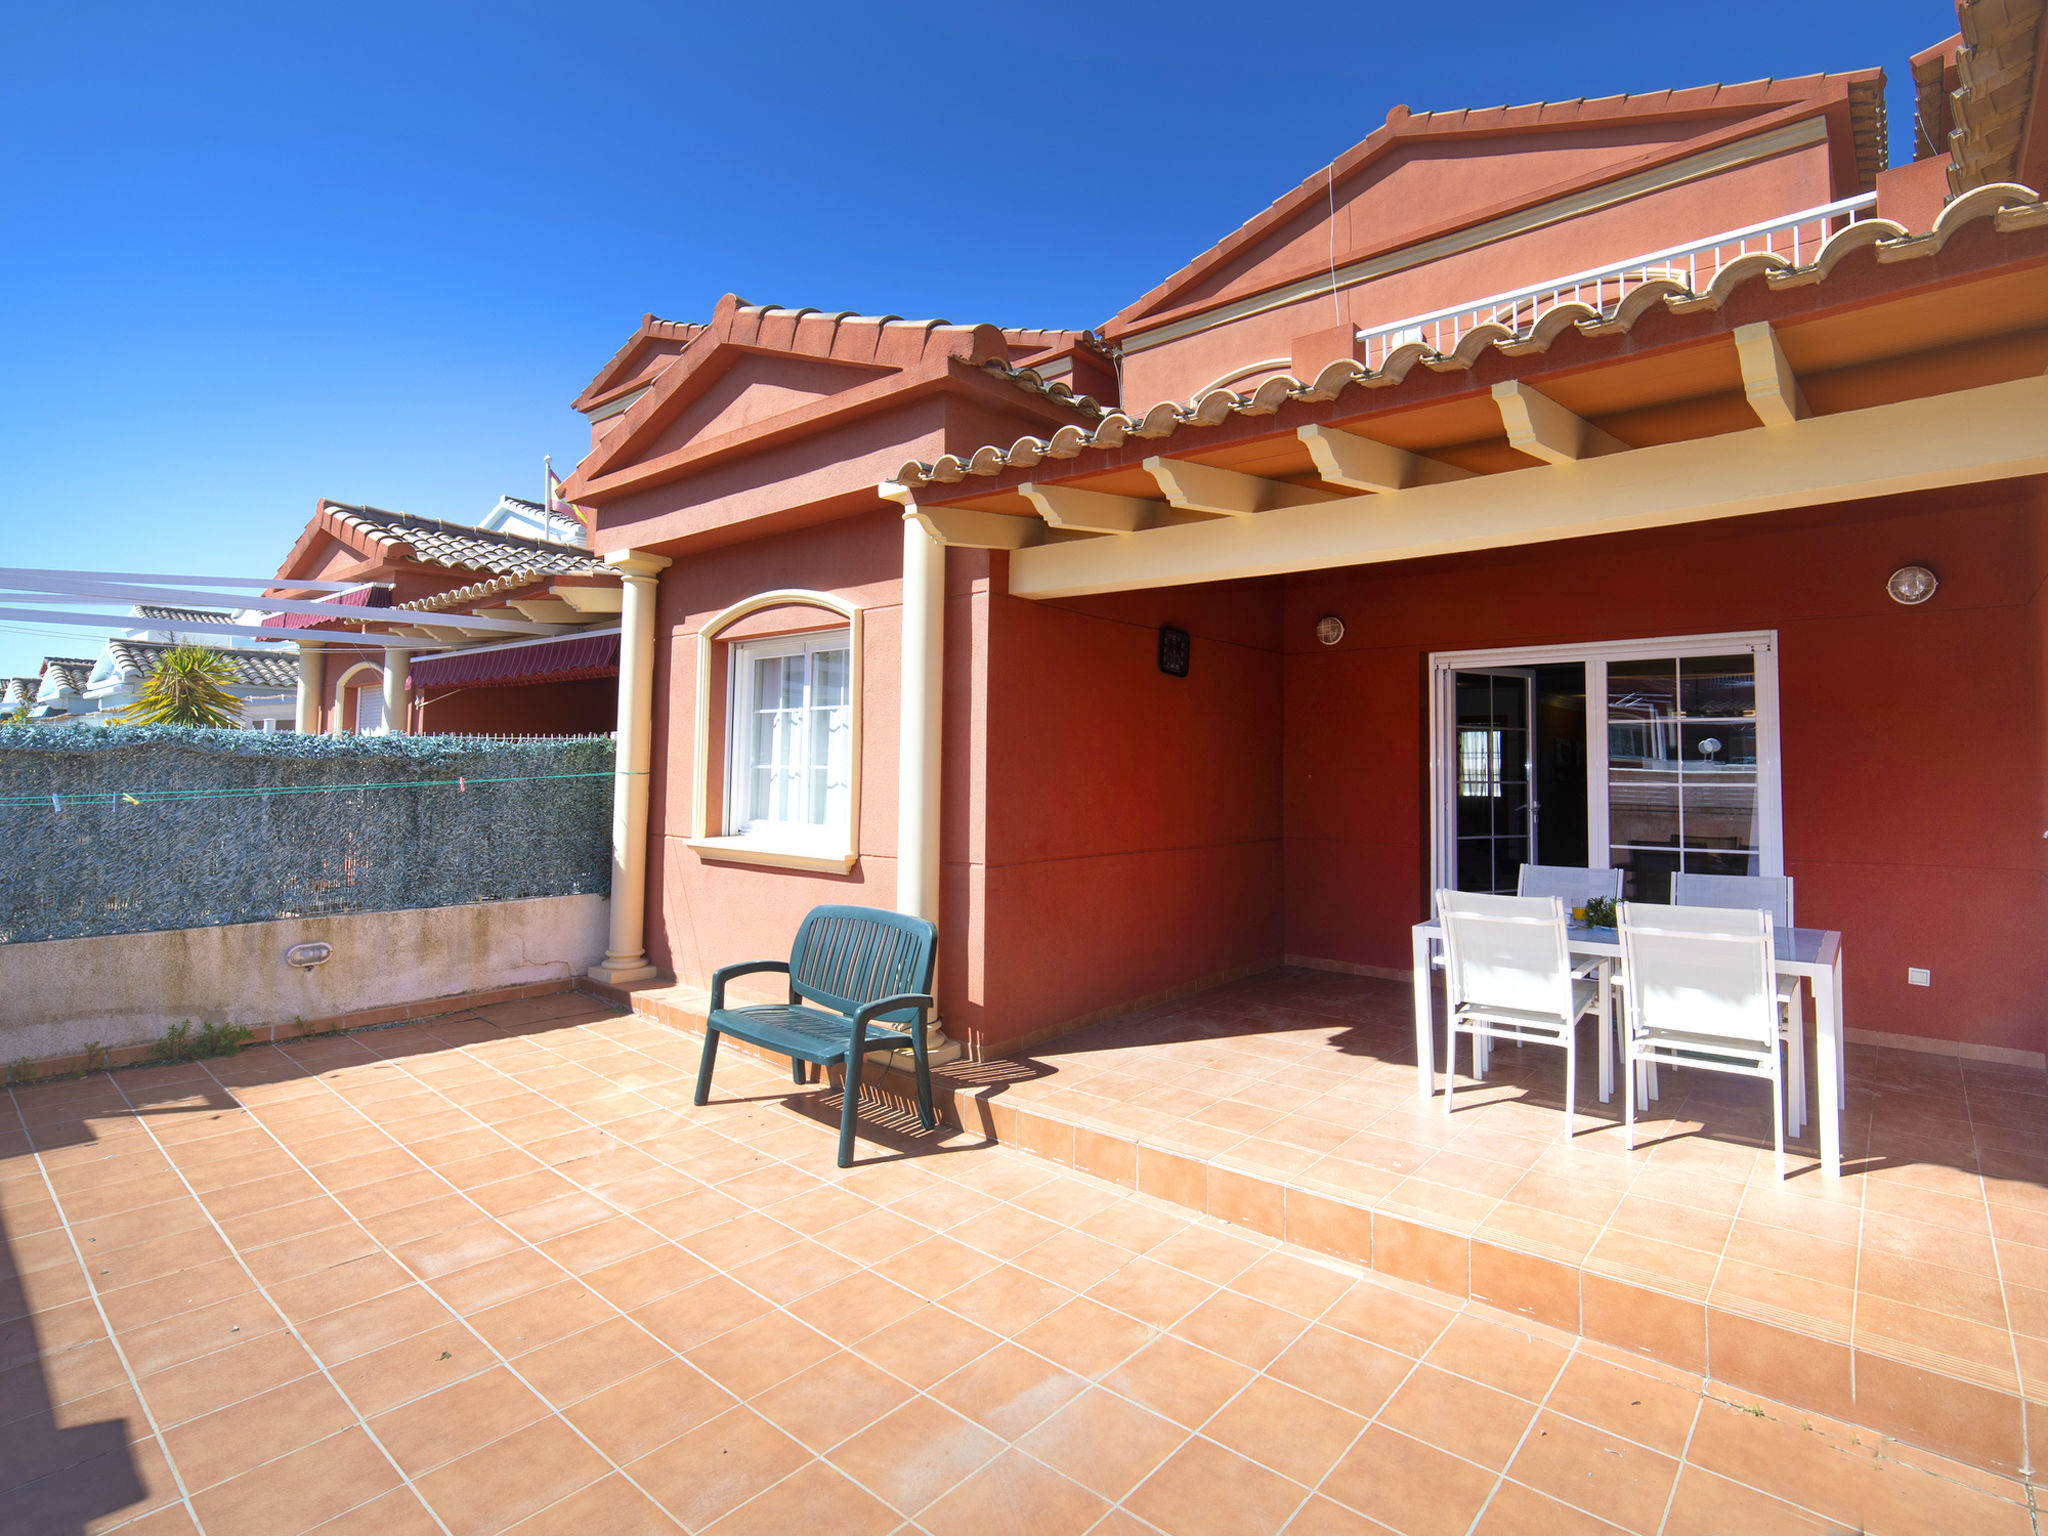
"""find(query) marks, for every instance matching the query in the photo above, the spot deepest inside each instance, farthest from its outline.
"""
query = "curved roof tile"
(2009, 205)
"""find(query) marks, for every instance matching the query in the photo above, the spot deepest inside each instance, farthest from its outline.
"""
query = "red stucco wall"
(1133, 818)
(1912, 738)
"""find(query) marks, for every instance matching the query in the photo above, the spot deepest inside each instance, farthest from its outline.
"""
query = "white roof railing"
(1796, 236)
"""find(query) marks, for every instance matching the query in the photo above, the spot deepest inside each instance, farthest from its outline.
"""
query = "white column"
(307, 721)
(917, 758)
(626, 954)
(397, 700)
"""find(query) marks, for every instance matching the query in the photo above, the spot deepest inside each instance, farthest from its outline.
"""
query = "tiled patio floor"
(493, 1272)
(1912, 1293)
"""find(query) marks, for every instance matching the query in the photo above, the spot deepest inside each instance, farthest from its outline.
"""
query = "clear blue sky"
(257, 255)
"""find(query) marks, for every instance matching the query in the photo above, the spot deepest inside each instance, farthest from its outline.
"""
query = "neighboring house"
(18, 693)
(168, 625)
(60, 691)
(540, 658)
(264, 683)
(1467, 494)
(532, 520)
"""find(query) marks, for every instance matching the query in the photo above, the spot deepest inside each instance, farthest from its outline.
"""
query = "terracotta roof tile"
(71, 671)
(2009, 207)
(458, 546)
(258, 669)
(183, 615)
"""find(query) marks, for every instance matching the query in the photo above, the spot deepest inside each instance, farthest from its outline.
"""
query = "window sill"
(745, 850)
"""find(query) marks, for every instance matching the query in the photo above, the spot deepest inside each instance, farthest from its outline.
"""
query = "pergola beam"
(1192, 487)
(110, 625)
(1967, 437)
(1767, 378)
(12, 574)
(1359, 463)
(79, 590)
(1078, 511)
(967, 528)
(1543, 429)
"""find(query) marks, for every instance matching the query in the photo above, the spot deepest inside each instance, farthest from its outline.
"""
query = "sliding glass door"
(1681, 747)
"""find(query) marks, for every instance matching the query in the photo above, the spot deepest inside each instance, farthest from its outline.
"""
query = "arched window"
(777, 764)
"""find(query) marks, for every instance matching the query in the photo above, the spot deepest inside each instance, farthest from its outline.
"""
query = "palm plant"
(188, 687)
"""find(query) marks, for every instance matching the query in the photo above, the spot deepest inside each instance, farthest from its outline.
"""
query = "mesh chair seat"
(1585, 993)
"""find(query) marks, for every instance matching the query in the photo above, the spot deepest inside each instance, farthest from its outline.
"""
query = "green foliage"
(95, 1056)
(182, 1043)
(1601, 913)
(21, 1070)
(188, 687)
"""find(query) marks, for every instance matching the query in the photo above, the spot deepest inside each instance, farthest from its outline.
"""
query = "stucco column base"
(622, 974)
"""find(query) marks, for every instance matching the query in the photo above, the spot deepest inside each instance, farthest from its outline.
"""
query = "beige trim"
(743, 850)
(1811, 130)
(1075, 510)
(616, 407)
(1966, 1050)
(1538, 426)
(625, 958)
(1192, 487)
(712, 845)
(1767, 378)
(1359, 463)
(307, 717)
(1994, 432)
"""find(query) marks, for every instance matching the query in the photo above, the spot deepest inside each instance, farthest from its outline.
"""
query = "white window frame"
(1443, 761)
(741, 707)
(832, 850)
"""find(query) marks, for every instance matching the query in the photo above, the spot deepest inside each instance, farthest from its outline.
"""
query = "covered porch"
(1911, 1294)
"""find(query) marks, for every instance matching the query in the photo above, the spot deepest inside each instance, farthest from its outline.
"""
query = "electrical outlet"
(1919, 976)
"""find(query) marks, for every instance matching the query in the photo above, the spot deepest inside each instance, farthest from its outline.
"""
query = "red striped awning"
(361, 597)
(551, 661)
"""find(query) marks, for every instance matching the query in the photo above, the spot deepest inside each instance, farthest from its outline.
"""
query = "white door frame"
(1595, 655)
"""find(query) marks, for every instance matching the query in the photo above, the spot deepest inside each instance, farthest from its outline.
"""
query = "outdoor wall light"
(1329, 629)
(1911, 584)
(306, 956)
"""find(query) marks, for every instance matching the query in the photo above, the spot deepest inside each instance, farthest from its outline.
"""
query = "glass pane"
(1720, 811)
(828, 679)
(1717, 687)
(1475, 864)
(1642, 807)
(1642, 690)
(1645, 872)
(1722, 863)
(1475, 698)
(1718, 747)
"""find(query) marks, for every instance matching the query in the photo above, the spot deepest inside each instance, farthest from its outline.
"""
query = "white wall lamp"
(1329, 629)
(1911, 584)
(306, 956)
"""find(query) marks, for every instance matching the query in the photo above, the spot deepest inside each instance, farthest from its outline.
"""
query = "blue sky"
(258, 255)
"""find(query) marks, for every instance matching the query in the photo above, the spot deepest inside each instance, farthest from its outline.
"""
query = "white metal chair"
(1508, 976)
(1568, 883)
(1701, 992)
(1772, 894)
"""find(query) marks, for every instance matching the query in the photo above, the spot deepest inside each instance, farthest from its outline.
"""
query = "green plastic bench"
(859, 980)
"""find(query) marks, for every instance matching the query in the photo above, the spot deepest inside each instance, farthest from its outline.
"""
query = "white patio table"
(1815, 953)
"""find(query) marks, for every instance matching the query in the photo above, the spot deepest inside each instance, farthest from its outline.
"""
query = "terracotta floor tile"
(540, 1317)
(646, 1411)
(456, 1420)
(1104, 1442)
(1178, 1380)
(1524, 1363)
(258, 1429)
(1706, 1505)
(758, 1354)
(1342, 1369)
(574, 1367)
(1247, 1331)
(1009, 1390)
(832, 1400)
(154, 1347)
(1412, 1487)
(1204, 1487)
(1621, 1482)
(352, 1331)
(815, 1497)
(1007, 1300)
(511, 1479)
(171, 1295)
(337, 1286)
(1016, 1493)
(629, 1284)
(443, 1253)
(795, 1271)
(1459, 1415)
(1086, 1337)
(1279, 1427)
(1630, 1403)
(315, 1251)
(600, 1244)
(713, 1469)
(926, 1345)
(411, 1368)
(502, 1278)
(300, 1491)
(852, 1308)
(611, 1506)
(1153, 1293)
